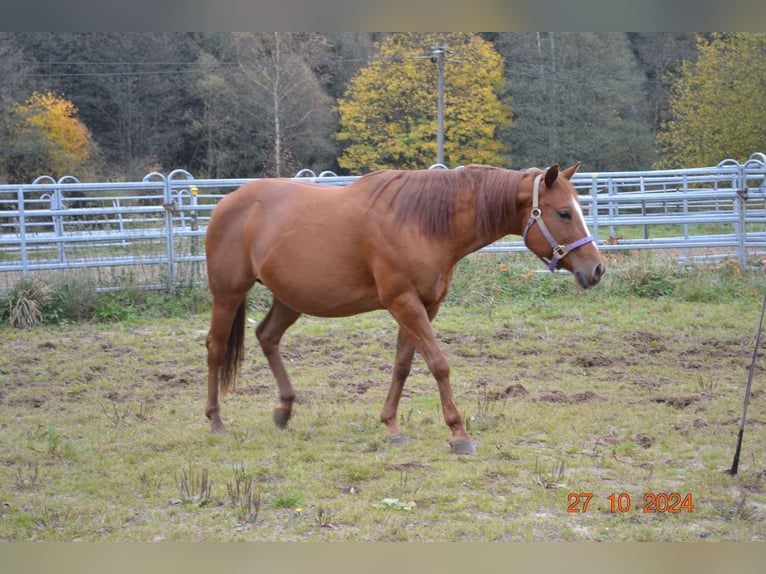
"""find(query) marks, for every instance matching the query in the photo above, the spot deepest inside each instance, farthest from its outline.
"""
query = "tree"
(577, 97)
(131, 89)
(388, 115)
(659, 56)
(281, 89)
(12, 89)
(717, 109)
(49, 138)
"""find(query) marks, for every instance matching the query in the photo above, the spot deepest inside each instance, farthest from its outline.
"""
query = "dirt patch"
(647, 343)
(585, 397)
(738, 420)
(362, 387)
(561, 397)
(649, 385)
(251, 389)
(676, 402)
(643, 440)
(596, 360)
(607, 440)
(553, 397)
(511, 391)
(175, 380)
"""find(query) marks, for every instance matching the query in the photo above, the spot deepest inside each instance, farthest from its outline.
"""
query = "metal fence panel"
(150, 234)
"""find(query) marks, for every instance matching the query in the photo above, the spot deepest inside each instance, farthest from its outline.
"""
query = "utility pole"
(437, 56)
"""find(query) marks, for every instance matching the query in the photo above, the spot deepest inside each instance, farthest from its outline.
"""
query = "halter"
(536, 216)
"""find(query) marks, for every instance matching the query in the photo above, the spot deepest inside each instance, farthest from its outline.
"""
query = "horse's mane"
(429, 197)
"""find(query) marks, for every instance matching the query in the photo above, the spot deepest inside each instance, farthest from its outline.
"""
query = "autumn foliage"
(49, 138)
(388, 115)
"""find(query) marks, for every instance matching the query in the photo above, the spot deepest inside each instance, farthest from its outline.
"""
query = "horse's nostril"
(599, 270)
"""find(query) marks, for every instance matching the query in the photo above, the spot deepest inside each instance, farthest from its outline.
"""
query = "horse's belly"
(326, 288)
(325, 300)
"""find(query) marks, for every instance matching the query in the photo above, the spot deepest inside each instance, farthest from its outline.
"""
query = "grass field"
(607, 415)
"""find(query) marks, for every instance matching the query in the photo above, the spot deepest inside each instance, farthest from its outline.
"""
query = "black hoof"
(281, 418)
(463, 447)
(397, 439)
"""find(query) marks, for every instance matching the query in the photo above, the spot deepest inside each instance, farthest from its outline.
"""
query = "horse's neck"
(469, 234)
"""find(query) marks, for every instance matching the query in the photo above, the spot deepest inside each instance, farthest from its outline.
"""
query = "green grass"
(634, 387)
(565, 392)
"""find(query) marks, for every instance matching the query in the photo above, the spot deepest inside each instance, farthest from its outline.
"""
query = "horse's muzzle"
(586, 280)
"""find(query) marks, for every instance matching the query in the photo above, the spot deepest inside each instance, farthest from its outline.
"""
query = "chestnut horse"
(389, 240)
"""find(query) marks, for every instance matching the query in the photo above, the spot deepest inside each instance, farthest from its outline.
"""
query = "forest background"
(116, 106)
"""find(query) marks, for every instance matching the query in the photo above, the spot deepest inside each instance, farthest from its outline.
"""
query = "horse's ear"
(551, 175)
(570, 171)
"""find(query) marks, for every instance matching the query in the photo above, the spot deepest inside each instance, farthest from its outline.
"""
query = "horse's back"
(306, 243)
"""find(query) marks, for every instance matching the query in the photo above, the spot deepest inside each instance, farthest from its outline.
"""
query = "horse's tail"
(235, 351)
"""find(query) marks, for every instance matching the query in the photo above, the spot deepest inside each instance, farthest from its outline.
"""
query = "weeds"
(707, 386)
(286, 500)
(144, 412)
(148, 482)
(53, 441)
(324, 518)
(481, 280)
(28, 480)
(643, 275)
(72, 300)
(739, 512)
(193, 487)
(242, 496)
(488, 407)
(114, 416)
(553, 479)
(23, 304)
(51, 518)
(494, 495)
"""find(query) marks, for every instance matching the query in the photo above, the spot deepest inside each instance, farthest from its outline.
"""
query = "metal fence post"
(741, 226)
(594, 205)
(23, 233)
(170, 208)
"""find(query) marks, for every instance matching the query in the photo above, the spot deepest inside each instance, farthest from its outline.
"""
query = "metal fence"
(150, 233)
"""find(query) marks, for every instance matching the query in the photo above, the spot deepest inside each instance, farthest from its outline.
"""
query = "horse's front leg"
(414, 320)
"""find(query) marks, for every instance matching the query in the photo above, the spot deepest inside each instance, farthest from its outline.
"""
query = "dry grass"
(103, 435)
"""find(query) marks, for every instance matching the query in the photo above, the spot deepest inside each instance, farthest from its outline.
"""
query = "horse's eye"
(565, 215)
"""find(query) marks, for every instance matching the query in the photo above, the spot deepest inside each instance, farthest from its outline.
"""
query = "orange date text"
(650, 502)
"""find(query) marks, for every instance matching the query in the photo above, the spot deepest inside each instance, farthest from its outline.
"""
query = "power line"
(513, 68)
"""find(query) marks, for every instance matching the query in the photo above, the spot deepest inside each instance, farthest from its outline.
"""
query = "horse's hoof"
(216, 426)
(397, 439)
(281, 418)
(463, 447)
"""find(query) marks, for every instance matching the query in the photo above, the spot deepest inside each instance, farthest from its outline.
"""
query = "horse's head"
(555, 230)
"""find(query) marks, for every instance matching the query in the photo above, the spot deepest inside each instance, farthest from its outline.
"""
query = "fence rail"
(150, 233)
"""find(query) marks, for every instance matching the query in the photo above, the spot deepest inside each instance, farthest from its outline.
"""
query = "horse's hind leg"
(269, 333)
(405, 351)
(222, 321)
